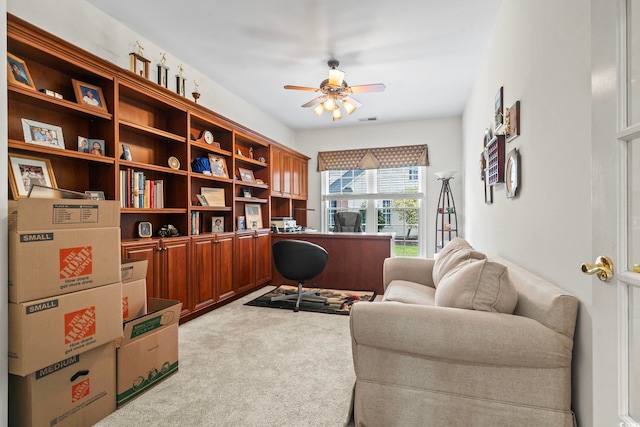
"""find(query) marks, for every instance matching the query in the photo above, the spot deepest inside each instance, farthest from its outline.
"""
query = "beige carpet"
(247, 366)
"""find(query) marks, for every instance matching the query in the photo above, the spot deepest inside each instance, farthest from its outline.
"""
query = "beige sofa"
(419, 361)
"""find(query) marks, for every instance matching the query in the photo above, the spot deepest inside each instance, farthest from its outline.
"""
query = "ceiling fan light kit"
(336, 92)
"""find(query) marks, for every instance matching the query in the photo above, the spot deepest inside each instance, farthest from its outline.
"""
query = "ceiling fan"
(336, 91)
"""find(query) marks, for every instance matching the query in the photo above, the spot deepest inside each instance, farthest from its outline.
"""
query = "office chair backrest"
(347, 222)
(299, 260)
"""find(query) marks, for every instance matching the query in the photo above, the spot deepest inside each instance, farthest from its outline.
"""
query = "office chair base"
(310, 295)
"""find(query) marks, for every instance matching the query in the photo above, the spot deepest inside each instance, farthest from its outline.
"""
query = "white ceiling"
(426, 52)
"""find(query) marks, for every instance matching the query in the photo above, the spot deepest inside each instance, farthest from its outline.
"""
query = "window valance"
(374, 158)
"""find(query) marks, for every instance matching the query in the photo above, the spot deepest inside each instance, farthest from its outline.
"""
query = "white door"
(615, 50)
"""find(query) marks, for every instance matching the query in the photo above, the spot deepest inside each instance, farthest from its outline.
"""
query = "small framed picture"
(26, 171)
(126, 153)
(91, 146)
(95, 195)
(246, 192)
(246, 175)
(214, 196)
(217, 224)
(42, 134)
(218, 166)
(242, 223)
(89, 95)
(18, 72)
(254, 216)
(498, 106)
(202, 200)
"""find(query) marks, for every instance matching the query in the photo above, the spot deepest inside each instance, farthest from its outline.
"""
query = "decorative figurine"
(195, 92)
(180, 81)
(138, 63)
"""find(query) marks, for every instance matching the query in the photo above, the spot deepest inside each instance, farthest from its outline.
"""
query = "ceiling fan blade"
(312, 89)
(376, 87)
(315, 101)
(352, 101)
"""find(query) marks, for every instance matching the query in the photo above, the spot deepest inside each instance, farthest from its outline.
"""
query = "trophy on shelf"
(180, 81)
(138, 63)
(195, 92)
(163, 71)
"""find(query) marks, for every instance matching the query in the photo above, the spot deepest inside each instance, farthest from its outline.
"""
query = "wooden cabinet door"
(244, 261)
(223, 259)
(286, 173)
(304, 179)
(175, 259)
(203, 271)
(276, 172)
(149, 250)
(263, 257)
(296, 166)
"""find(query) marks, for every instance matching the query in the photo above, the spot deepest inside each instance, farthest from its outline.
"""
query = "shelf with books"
(151, 189)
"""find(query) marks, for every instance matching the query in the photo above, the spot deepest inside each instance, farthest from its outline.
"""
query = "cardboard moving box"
(134, 299)
(45, 331)
(132, 269)
(148, 352)
(77, 391)
(62, 246)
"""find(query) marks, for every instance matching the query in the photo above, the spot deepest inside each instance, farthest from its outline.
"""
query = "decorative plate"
(174, 163)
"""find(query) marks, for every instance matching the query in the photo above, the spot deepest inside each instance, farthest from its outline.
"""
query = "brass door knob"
(603, 268)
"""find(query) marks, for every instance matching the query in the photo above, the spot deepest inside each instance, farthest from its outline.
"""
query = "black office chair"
(347, 222)
(300, 261)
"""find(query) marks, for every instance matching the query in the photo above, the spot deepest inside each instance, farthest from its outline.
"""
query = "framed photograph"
(246, 193)
(42, 134)
(95, 195)
(246, 175)
(89, 95)
(214, 196)
(242, 223)
(202, 200)
(217, 224)
(18, 72)
(218, 166)
(91, 146)
(126, 153)
(253, 215)
(498, 106)
(26, 171)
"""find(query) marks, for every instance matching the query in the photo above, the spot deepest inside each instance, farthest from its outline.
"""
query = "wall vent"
(368, 119)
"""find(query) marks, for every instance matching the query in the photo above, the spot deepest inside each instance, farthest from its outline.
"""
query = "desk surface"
(355, 259)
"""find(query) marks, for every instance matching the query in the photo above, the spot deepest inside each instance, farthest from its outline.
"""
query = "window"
(389, 199)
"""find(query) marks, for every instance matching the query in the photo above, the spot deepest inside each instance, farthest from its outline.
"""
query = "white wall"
(442, 136)
(85, 26)
(540, 53)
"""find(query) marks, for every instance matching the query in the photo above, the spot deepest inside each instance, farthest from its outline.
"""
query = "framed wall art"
(89, 95)
(217, 224)
(18, 73)
(26, 171)
(498, 107)
(42, 134)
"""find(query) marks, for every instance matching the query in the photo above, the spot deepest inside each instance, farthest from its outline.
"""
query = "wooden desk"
(355, 259)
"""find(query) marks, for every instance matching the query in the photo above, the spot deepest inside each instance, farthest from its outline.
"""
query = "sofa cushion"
(409, 293)
(478, 285)
(454, 253)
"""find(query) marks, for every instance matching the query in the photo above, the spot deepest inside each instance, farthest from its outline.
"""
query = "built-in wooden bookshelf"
(163, 133)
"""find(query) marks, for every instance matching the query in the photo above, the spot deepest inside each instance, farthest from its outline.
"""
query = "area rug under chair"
(339, 301)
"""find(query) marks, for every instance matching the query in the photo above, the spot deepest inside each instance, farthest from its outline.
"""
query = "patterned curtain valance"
(374, 158)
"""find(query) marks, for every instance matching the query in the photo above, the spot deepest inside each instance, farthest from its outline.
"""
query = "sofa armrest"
(458, 335)
(418, 270)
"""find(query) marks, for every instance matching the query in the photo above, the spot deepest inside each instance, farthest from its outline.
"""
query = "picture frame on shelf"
(38, 191)
(242, 223)
(202, 200)
(95, 195)
(18, 73)
(89, 95)
(214, 196)
(254, 216)
(218, 166)
(246, 175)
(42, 134)
(246, 193)
(217, 224)
(97, 147)
(126, 153)
(26, 171)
